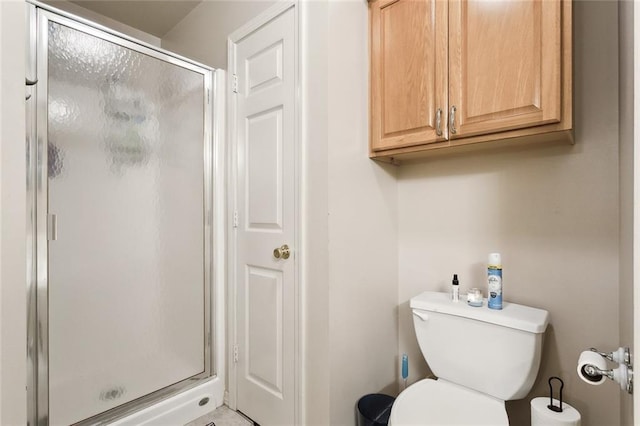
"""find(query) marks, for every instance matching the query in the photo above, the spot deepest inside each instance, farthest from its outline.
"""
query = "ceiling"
(155, 17)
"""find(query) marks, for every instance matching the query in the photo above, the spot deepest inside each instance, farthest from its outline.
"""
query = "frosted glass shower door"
(127, 281)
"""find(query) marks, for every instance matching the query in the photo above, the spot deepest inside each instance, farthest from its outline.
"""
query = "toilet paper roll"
(595, 359)
(543, 416)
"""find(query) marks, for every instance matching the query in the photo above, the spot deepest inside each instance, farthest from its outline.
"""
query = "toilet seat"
(438, 402)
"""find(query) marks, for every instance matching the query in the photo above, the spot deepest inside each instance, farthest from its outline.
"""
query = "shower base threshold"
(179, 409)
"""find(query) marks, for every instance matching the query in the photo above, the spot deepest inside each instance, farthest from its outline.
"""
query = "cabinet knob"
(439, 122)
(452, 120)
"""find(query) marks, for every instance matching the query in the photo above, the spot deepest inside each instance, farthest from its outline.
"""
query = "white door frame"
(234, 37)
(636, 203)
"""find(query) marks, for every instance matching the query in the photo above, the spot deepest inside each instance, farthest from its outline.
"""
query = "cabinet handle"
(452, 120)
(439, 122)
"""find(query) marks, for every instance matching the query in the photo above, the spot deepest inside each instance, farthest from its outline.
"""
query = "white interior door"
(263, 61)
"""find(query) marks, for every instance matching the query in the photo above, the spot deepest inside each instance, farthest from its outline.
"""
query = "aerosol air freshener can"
(494, 281)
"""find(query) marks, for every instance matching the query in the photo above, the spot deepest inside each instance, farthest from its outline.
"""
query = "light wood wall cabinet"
(452, 73)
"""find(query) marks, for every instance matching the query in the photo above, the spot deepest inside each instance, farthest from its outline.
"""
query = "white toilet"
(482, 358)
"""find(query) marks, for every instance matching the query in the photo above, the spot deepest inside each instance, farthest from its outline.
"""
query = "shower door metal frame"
(39, 16)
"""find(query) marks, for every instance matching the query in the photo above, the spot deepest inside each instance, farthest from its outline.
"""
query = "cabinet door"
(504, 65)
(408, 72)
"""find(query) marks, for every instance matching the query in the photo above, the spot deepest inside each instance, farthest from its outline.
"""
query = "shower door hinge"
(235, 83)
(235, 354)
(208, 96)
(235, 218)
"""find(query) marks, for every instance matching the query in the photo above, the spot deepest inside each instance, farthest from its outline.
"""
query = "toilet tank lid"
(511, 315)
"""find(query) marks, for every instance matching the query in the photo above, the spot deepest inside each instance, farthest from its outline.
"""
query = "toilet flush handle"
(422, 315)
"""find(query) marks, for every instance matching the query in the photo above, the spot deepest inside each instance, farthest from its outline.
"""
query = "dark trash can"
(374, 409)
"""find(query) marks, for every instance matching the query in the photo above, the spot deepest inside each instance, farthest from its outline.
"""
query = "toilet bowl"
(482, 358)
(438, 402)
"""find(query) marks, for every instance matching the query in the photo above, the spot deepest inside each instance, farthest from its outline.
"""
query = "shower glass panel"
(126, 196)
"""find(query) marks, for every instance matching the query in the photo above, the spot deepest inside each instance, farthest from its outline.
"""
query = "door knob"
(282, 252)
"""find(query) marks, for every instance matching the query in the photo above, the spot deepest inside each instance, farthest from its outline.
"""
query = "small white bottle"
(494, 281)
(455, 290)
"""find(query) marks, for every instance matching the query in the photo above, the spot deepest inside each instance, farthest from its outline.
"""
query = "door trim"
(250, 26)
(636, 203)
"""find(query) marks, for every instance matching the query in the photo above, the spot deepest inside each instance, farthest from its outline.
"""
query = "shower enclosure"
(120, 184)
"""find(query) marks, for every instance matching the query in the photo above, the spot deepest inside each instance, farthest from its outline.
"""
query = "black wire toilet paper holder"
(556, 408)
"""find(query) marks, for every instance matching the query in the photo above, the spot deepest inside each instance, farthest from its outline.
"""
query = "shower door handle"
(53, 227)
(30, 83)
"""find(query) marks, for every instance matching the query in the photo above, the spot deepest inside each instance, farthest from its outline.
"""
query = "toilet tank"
(496, 352)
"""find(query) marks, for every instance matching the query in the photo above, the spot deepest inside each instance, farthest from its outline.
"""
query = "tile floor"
(221, 416)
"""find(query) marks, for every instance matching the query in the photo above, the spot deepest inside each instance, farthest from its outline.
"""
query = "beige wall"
(12, 215)
(626, 190)
(316, 347)
(202, 34)
(363, 217)
(553, 213)
(90, 15)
